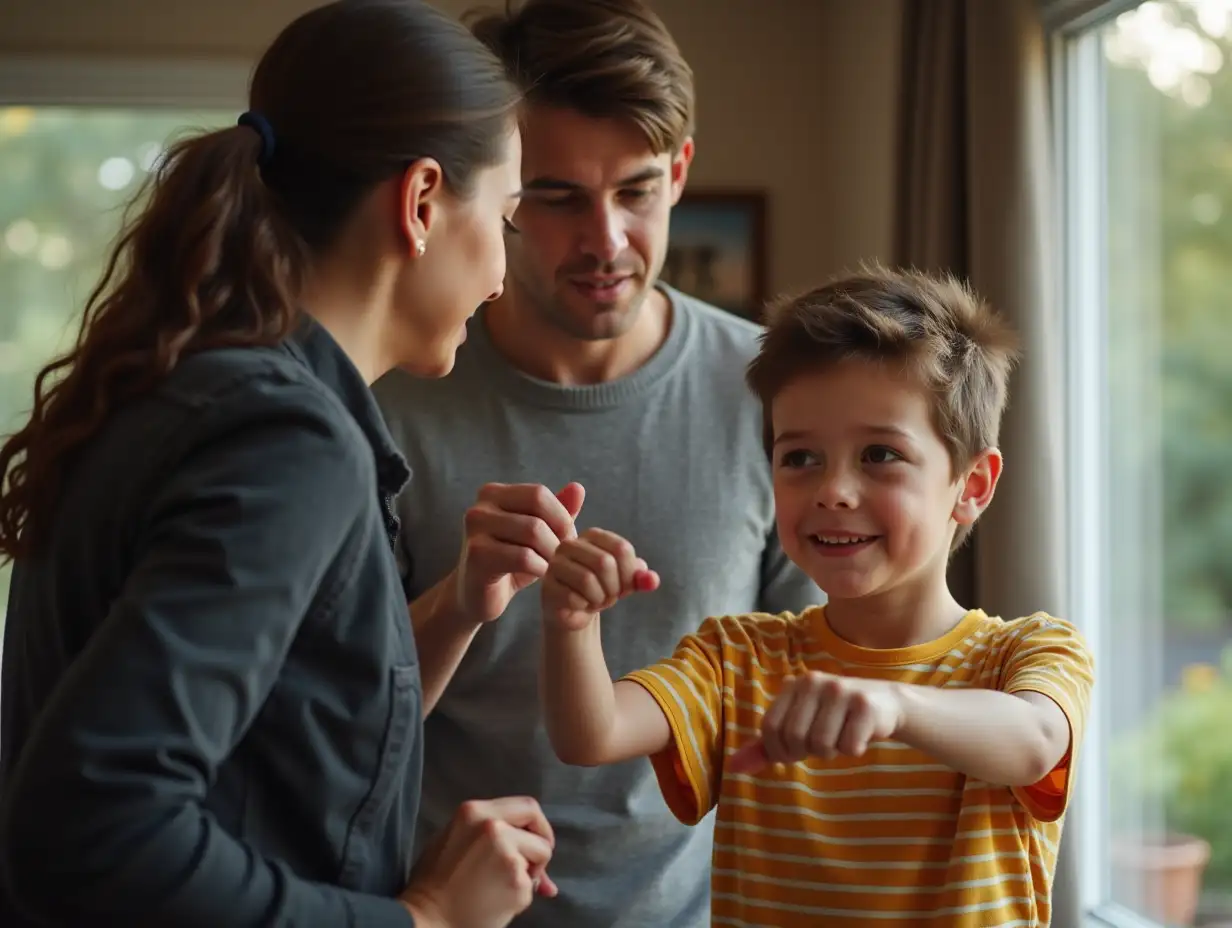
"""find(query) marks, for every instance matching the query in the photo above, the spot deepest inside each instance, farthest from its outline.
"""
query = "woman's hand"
(486, 867)
(512, 532)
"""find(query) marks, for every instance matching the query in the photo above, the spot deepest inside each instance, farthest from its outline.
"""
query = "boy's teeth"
(840, 539)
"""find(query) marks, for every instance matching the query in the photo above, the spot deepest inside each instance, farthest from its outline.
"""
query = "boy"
(891, 758)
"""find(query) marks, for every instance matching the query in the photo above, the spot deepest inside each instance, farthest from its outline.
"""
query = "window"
(73, 152)
(1145, 99)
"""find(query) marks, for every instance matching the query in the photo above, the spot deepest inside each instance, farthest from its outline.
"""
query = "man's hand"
(821, 715)
(589, 574)
(512, 532)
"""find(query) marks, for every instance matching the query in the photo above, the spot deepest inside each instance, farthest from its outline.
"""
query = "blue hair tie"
(261, 126)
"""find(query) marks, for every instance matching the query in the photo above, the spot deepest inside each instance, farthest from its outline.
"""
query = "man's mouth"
(601, 288)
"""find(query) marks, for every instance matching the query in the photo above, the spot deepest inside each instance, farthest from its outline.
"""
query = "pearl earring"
(420, 248)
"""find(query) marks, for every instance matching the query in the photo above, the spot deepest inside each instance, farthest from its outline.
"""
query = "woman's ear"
(419, 209)
(978, 486)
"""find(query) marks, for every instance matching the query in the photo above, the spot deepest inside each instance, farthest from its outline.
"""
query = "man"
(584, 372)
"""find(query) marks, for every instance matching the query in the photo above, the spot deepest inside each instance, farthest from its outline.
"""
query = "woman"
(212, 706)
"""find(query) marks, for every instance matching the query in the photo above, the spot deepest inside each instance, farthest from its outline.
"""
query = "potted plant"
(1178, 764)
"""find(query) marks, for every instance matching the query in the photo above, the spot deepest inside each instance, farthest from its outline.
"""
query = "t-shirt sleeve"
(1050, 657)
(688, 687)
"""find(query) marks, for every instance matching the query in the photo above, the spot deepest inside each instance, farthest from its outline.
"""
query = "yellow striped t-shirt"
(891, 838)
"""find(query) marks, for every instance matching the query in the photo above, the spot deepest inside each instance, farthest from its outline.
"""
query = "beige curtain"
(976, 198)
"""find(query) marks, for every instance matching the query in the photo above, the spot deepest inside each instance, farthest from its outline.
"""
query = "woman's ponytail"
(205, 261)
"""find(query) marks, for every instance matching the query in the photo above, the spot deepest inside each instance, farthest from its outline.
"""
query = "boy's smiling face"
(866, 494)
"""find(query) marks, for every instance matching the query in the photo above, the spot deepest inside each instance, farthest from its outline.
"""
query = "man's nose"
(604, 235)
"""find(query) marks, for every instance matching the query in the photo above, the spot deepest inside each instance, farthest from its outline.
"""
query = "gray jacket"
(211, 697)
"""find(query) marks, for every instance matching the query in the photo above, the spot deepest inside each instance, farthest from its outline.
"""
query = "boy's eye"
(880, 454)
(796, 458)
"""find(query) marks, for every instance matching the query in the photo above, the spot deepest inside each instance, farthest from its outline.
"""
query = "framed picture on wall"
(717, 249)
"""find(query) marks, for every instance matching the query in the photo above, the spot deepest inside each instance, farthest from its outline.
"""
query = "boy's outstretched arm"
(1012, 737)
(590, 719)
(1009, 740)
(1002, 738)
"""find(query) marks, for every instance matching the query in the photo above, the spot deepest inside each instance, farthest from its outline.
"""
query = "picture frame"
(717, 249)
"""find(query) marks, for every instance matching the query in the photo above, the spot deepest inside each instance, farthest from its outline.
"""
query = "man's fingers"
(531, 499)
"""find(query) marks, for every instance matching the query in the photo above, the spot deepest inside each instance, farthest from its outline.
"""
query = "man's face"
(594, 220)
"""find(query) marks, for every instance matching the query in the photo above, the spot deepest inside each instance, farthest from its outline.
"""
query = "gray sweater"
(671, 458)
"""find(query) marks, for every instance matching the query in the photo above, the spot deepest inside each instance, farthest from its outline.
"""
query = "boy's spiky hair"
(933, 327)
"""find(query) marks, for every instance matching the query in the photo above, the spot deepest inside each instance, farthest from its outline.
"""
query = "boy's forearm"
(579, 701)
(442, 637)
(997, 737)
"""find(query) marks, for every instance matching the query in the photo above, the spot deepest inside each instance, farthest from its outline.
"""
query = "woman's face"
(462, 265)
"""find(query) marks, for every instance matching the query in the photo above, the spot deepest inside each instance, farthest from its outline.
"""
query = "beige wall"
(796, 96)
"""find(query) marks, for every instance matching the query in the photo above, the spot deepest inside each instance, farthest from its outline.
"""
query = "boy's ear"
(979, 486)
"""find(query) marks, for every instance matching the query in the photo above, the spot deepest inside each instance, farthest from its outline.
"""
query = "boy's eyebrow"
(791, 435)
(894, 431)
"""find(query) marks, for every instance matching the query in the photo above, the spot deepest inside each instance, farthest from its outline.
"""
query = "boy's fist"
(588, 574)
(821, 715)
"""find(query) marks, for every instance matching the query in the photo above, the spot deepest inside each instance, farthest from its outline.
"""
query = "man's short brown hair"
(602, 58)
(935, 328)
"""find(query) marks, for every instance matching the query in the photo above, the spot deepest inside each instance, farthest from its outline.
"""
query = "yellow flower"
(1199, 678)
(15, 120)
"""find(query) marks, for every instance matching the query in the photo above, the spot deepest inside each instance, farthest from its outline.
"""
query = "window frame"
(1078, 101)
(1080, 148)
(64, 80)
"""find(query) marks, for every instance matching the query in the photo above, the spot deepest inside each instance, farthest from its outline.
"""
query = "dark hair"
(217, 251)
(602, 58)
(935, 327)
